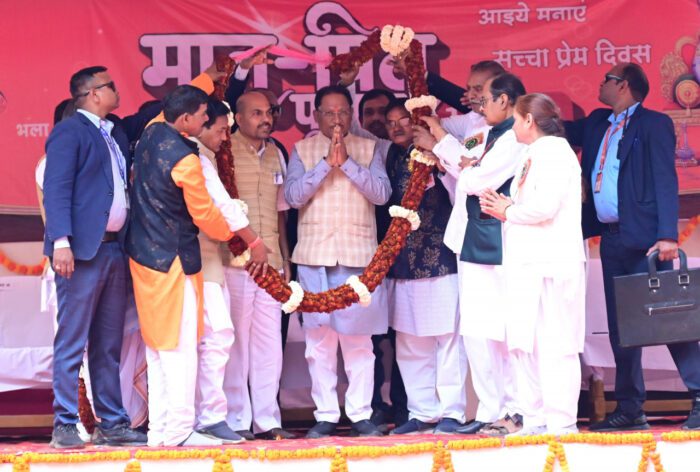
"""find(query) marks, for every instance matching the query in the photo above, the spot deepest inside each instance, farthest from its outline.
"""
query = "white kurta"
(424, 307)
(544, 265)
(450, 151)
(482, 312)
(543, 240)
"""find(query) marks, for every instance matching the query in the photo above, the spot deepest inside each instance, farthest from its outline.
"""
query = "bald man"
(253, 372)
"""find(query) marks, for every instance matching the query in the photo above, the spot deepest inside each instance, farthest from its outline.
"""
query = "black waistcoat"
(161, 228)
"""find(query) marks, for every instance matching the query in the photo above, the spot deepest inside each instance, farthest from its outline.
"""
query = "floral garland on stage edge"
(395, 40)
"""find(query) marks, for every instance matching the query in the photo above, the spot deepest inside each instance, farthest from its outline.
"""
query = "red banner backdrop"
(149, 46)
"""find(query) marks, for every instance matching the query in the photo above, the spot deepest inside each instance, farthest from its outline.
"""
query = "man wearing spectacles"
(631, 201)
(335, 179)
(87, 205)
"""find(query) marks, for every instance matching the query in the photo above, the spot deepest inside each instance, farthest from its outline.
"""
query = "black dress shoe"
(620, 421)
(322, 429)
(472, 428)
(246, 434)
(119, 435)
(276, 434)
(414, 426)
(380, 419)
(223, 432)
(364, 428)
(65, 436)
(693, 421)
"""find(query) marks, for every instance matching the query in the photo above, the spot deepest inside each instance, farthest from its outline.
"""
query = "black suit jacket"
(447, 92)
(647, 184)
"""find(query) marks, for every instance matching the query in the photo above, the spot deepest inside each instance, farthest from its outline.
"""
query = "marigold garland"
(225, 164)
(556, 453)
(133, 466)
(339, 463)
(339, 455)
(21, 269)
(222, 463)
(87, 418)
(395, 239)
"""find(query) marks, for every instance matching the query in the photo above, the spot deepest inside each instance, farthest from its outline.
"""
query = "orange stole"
(159, 298)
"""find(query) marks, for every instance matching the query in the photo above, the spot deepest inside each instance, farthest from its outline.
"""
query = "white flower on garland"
(229, 115)
(360, 289)
(395, 39)
(420, 102)
(411, 215)
(418, 156)
(295, 299)
(243, 205)
(241, 260)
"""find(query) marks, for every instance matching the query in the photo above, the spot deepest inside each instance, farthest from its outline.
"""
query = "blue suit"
(78, 194)
(647, 192)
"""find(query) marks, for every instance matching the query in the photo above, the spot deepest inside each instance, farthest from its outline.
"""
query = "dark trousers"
(629, 381)
(397, 391)
(91, 307)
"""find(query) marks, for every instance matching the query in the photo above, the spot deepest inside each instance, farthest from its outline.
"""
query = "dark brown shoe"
(276, 434)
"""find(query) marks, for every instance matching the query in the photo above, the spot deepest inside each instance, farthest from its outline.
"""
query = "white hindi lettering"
(506, 16)
(525, 58)
(33, 130)
(326, 24)
(568, 56)
(607, 53)
(159, 71)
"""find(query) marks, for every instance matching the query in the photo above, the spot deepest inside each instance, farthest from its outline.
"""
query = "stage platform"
(664, 447)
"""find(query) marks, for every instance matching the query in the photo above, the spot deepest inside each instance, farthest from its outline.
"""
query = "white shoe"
(195, 439)
(529, 431)
(572, 429)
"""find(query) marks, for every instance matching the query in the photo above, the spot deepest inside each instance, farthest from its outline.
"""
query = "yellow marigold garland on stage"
(21, 269)
(133, 466)
(339, 455)
(339, 463)
(442, 459)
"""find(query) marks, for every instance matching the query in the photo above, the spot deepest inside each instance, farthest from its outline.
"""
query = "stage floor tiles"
(671, 451)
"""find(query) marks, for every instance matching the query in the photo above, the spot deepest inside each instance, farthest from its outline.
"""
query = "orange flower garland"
(395, 239)
(21, 269)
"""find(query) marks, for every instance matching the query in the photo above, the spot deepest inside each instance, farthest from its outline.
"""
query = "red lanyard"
(603, 155)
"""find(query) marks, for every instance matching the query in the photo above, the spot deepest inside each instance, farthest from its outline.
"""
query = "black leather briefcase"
(659, 307)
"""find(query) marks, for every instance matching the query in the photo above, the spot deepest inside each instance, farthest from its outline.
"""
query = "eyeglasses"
(612, 77)
(342, 114)
(404, 121)
(108, 84)
(484, 100)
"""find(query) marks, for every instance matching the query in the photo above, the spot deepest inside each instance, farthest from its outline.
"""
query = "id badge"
(277, 178)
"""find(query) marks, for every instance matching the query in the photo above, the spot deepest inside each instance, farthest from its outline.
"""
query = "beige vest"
(337, 226)
(255, 180)
(212, 251)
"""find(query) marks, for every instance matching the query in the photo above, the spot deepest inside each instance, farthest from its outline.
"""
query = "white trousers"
(256, 356)
(172, 376)
(548, 381)
(214, 348)
(493, 378)
(358, 357)
(435, 369)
